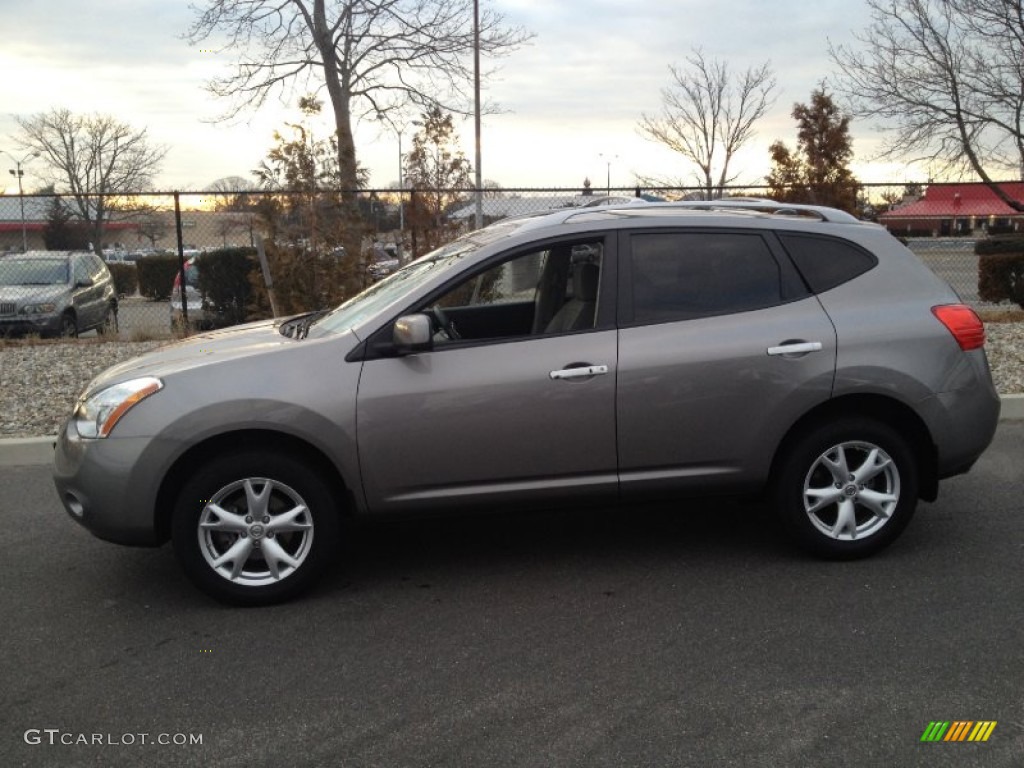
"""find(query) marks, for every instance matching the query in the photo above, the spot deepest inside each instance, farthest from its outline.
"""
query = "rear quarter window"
(825, 262)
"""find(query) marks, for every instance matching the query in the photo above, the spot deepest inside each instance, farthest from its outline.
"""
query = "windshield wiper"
(298, 327)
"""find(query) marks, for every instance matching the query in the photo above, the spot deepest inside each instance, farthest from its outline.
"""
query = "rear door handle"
(795, 348)
(579, 372)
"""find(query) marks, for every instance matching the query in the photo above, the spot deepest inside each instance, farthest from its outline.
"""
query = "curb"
(26, 451)
(33, 451)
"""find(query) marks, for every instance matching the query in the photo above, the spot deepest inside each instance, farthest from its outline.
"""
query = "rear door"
(721, 349)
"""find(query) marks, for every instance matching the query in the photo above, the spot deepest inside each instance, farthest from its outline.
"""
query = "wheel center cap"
(850, 490)
(257, 531)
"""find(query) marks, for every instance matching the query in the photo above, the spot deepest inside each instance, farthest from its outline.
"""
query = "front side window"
(686, 275)
(549, 290)
(81, 270)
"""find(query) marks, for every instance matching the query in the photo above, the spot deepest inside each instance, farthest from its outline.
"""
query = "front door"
(509, 409)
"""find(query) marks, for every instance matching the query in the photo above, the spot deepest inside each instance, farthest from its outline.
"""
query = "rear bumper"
(970, 417)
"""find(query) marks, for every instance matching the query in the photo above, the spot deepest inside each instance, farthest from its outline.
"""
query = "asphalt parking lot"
(659, 636)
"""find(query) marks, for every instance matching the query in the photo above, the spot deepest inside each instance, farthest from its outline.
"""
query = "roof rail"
(760, 205)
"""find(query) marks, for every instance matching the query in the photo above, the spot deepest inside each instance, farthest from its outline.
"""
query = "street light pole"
(401, 178)
(608, 171)
(476, 113)
(18, 173)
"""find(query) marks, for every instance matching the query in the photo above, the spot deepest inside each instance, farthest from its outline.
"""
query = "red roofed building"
(957, 209)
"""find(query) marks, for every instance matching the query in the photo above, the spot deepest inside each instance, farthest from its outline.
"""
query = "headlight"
(38, 309)
(97, 415)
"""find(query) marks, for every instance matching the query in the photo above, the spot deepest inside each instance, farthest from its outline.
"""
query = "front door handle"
(579, 372)
(795, 348)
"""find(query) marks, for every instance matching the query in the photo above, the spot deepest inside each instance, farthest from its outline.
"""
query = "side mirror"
(412, 333)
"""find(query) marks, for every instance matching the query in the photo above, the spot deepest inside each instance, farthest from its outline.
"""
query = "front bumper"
(102, 489)
(27, 325)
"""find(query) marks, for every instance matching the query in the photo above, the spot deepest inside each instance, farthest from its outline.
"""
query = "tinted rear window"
(826, 262)
(679, 276)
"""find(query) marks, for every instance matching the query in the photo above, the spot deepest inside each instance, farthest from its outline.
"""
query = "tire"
(109, 324)
(68, 326)
(847, 489)
(253, 504)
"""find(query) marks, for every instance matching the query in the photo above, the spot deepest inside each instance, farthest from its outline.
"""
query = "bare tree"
(95, 158)
(707, 117)
(232, 193)
(371, 56)
(948, 76)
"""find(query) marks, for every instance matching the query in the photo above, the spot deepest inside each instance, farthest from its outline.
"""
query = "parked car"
(56, 293)
(623, 353)
(200, 315)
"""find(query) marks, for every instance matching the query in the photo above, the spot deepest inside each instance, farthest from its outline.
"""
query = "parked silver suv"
(56, 293)
(620, 352)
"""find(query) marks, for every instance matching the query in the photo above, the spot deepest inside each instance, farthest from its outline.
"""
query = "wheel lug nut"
(248, 518)
(839, 485)
(266, 520)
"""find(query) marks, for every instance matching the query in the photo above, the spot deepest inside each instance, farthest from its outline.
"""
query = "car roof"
(50, 254)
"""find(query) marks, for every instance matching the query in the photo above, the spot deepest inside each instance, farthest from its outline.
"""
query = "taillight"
(964, 323)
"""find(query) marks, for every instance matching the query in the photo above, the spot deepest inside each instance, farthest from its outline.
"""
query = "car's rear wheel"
(847, 489)
(255, 527)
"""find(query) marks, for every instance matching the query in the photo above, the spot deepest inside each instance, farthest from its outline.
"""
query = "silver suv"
(620, 353)
(56, 293)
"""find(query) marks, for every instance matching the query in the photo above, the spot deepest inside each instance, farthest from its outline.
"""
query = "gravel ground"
(39, 383)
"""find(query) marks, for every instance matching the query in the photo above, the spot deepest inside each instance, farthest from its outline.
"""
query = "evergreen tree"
(818, 171)
(61, 233)
(440, 174)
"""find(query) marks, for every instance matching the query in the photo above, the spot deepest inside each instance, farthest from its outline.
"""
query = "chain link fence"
(184, 261)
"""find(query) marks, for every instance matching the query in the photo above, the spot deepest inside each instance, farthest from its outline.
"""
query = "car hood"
(23, 294)
(213, 348)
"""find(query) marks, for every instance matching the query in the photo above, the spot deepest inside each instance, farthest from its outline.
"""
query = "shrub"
(156, 276)
(225, 282)
(1001, 269)
(126, 279)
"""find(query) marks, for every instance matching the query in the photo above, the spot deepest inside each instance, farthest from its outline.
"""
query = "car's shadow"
(690, 530)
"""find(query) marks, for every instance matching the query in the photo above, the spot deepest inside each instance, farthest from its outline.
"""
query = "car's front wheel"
(255, 528)
(848, 488)
(109, 324)
(68, 326)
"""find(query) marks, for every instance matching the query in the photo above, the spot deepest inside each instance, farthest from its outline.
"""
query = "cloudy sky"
(571, 99)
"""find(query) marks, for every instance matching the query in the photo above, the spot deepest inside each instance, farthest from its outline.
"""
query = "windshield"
(33, 272)
(391, 289)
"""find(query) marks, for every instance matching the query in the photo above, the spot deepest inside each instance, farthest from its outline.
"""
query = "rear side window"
(826, 262)
(686, 275)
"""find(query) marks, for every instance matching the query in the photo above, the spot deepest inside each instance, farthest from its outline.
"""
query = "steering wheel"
(443, 323)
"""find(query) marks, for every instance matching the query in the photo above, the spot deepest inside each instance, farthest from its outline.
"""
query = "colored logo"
(958, 730)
